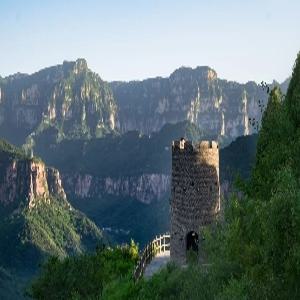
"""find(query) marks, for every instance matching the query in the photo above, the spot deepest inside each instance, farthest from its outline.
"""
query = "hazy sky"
(135, 39)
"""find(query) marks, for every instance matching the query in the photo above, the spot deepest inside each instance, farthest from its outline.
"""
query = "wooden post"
(160, 244)
(147, 251)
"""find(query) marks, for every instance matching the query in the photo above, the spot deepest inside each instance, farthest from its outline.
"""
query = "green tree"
(83, 276)
(273, 146)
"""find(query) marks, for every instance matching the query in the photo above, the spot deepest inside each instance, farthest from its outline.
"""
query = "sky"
(242, 40)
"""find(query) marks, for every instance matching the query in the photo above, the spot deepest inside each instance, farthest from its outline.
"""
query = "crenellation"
(183, 144)
(208, 145)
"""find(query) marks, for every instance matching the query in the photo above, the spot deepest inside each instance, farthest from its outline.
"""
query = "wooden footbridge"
(155, 255)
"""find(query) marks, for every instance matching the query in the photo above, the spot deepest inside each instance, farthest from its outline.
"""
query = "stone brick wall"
(195, 192)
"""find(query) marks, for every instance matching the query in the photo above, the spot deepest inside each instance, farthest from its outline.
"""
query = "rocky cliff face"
(54, 183)
(36, 219)
(218, 107)
(145, 188)
(29, 181)
(137, 181)
(70, 101)
(69, 97)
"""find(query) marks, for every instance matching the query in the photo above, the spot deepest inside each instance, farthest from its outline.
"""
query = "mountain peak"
(77, 66)
(68, 97)
(201, 71)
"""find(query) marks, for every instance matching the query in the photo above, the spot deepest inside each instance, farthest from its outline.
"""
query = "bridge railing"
(159, 245)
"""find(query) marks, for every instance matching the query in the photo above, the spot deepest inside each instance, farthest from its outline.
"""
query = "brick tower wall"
(195, 192)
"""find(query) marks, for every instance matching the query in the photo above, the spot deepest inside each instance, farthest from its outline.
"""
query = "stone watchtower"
(195, 194)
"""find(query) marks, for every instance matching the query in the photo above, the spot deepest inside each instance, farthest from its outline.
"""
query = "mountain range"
(71, 102)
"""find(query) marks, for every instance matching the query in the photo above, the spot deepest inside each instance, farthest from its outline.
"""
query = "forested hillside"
(36, 220)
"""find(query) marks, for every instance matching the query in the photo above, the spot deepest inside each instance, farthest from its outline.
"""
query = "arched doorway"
(192, 241)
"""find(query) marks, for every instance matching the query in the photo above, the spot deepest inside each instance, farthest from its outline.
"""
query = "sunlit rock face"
(145, 188)
(218, 107)
(54, 183)
(68, 97)
(29, 181)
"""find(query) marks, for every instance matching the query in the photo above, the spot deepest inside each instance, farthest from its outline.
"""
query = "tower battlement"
(207, 145)
(183, 144)
(203, 152)
(195, 194)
